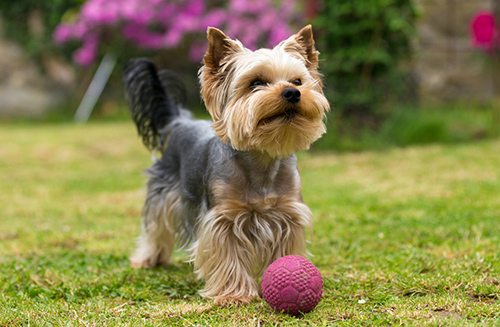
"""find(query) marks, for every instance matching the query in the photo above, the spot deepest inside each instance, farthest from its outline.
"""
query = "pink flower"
(482, 28)
(238, 6)
(166, 12)
(62, 33)
(163, 24)
(128, 10)
(87, 53)
(215, 18)
(250, 39)
(287, 7)
(277, 34)
(80, 29)
(268, 19)
(187, 23)
(195, 8)
(108, 17)
(143, 17)
(172, 38)
(91, 10)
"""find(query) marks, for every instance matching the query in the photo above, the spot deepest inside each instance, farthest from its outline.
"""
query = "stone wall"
(28, 89)
(446, 65)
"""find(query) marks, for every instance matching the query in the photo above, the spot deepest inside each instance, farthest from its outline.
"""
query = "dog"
(229, 190)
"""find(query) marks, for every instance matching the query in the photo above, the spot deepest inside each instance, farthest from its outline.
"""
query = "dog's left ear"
(219, 47)
(303, 43)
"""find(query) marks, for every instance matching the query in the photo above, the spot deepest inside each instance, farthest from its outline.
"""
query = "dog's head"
(270, 100)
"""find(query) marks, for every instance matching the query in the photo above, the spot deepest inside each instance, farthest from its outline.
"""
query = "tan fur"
(303, 44)
(240, 113)
(243, 234)
(156, 242)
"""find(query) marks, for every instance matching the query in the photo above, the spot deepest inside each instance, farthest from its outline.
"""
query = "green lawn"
(405, 236)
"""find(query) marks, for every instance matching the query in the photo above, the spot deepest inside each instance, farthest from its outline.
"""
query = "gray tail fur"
(151, 106)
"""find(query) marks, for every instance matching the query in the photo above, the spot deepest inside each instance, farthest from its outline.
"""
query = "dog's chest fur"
(256, 188)
(258, 207)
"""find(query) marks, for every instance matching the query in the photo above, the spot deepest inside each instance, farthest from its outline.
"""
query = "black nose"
(291, 94)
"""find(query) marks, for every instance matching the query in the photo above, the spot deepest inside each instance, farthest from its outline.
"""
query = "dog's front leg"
(225, 257)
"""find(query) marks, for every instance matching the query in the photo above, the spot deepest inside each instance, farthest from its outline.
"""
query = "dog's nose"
(291, 94)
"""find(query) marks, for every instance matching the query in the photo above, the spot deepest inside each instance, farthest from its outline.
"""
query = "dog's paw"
(141, 263)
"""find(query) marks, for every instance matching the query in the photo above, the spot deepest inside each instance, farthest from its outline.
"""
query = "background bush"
(366, 52)
(364, 46)
(37, 40)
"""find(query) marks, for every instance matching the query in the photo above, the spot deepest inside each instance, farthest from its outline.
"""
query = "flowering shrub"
(163, 24)
(484, 34)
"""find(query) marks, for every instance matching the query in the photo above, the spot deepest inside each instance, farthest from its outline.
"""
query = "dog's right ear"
(219, 47)
(303, 43)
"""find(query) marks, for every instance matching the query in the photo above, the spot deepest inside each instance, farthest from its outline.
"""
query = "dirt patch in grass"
(443, 313)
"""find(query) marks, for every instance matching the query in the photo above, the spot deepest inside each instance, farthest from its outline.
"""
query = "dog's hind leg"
(160, 212)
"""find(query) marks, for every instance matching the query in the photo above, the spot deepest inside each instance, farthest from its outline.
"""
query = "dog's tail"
(151, 106)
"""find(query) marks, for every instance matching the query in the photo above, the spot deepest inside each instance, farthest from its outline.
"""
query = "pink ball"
(292, 284)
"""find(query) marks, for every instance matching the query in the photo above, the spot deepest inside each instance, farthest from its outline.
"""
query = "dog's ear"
(215, 69)
(303, 43)
(219, 47)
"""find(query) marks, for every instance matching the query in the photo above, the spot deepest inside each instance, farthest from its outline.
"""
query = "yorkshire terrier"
(229, 189)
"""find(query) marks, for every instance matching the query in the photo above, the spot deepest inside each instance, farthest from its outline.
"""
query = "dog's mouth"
(287, 116)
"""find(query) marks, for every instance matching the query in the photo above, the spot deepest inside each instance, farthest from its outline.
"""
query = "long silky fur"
(160, 215)
(229, 188)
(236, 244)
(151, 107)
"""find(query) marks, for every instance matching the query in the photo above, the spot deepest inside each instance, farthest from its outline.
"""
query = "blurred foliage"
(165, 24)
(20, 23)
(364, 46)
(366, 59)
(405, 126)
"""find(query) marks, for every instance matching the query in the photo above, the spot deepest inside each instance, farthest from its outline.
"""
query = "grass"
(404, 126)
(404, 236)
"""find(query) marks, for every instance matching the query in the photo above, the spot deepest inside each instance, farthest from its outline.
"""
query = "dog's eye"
(297, 82)
(256, 83)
